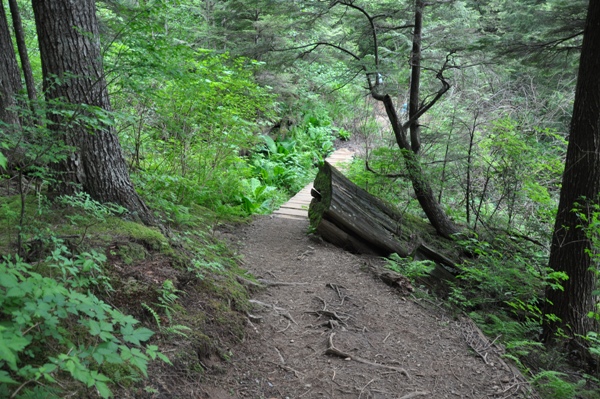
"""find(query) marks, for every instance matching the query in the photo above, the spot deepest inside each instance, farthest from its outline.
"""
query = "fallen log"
(349, 217)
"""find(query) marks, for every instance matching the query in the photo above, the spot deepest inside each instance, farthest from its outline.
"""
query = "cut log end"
(349, 217)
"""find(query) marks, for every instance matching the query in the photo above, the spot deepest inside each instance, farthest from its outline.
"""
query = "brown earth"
(326, 328)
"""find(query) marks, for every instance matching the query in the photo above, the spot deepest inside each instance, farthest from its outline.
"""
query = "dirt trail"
(399, 347)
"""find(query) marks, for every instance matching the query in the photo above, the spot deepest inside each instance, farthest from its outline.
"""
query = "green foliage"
(282, 163)
(552, 385)
(589, 216)
(410, 268)
(167, 300)
(522, 168)
(258, 197)
(51, 328)
(501, 273)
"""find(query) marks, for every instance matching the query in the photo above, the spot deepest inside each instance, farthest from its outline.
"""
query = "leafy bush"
(55, 329)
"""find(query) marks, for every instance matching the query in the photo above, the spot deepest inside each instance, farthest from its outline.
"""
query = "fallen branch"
(288, 368)
(333, 351)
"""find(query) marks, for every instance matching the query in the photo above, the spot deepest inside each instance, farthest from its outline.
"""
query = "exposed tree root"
(333, 351)
(415, 394)
(270, 283)
(280, 311)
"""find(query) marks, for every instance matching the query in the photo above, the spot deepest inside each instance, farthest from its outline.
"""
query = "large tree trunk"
(580, 189)
(351, 218)
(10, 78)
(73, 73)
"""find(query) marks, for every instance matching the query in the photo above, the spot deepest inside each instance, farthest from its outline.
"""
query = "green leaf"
(5, 378)
(103, 389)
(137, 336)
(94, 327)
(10, 345)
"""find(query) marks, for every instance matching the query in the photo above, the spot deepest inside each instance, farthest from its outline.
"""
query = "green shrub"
(55, 329)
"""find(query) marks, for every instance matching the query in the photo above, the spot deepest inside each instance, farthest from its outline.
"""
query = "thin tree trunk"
(446, 152)
(415, 78)
(423, 191)
(10, 78)
(20, 36)
(571, 247)
(73, 73)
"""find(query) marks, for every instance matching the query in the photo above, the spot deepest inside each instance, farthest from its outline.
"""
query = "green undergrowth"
(500, 284)
(96, 305)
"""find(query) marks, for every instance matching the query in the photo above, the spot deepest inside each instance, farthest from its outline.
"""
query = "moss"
(150, 237)
(323, 186)
(132, 252)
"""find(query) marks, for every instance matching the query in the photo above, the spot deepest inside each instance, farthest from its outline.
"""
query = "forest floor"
(327, 328)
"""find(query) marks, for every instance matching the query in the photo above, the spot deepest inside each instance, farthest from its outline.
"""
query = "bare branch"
(390, 176)
(373, 28)
(318, 44)
(438, 95)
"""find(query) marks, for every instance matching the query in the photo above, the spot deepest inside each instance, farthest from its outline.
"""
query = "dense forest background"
(223, 109)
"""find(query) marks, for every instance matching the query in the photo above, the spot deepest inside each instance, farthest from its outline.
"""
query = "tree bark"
(20, 37)
(372, 226)
(73, 73)
(580, 189)
(415, 78)
(10, 78)
(351, 218)
(423, 191)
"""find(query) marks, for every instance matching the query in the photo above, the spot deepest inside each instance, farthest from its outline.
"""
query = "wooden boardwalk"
(297, 206)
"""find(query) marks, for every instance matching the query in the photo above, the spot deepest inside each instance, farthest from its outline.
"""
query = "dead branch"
(333, 351)
(287, 368)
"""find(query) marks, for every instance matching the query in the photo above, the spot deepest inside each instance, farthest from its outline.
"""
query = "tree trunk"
(73, 73)
(372, 226)
(580, 189)
(20, 37)
(351, 218)
(423, 191)
(415, 78)
(10, 78)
